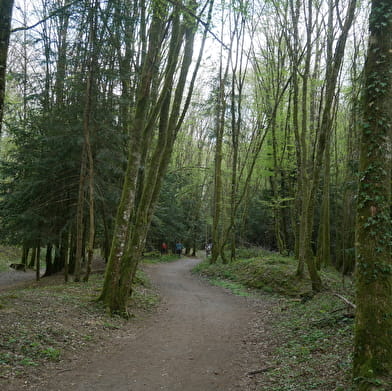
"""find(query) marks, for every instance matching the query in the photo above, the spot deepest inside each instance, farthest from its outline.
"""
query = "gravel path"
(194, 342)
(11, 278)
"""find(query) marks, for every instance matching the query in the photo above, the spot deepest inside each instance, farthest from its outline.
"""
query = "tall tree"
(219, 129)
(160, 109)
(373, 323)
(5, 26)
(312, 136)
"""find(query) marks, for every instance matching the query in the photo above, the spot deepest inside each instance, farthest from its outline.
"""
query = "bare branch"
(51, 14)
(352, 305)
(202, 22)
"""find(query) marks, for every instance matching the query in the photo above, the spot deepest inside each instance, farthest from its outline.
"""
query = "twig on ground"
(339, 309)
(261, 370)
(352, 305)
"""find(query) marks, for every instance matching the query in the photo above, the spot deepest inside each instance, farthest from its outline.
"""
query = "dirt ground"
(14, 278)
(202, 338)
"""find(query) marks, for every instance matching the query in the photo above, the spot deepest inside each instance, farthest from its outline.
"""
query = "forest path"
(194, 343)
(14, 278)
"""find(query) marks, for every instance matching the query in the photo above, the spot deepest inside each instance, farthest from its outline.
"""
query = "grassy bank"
(310, 337)
(156, 257)
(50, 320)
(269, 272)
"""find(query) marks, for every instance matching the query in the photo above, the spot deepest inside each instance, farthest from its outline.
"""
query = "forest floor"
(195, 337)
(200, 337)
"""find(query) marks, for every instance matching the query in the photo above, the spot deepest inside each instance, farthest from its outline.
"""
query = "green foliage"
(268, 271)
(8, 255)
(39, 178)
(236, 288)
(315, 353)
(159, 258)
(259, 224)
(177, 216)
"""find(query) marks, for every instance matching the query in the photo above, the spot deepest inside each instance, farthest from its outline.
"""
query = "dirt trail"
(193, 343)
(15, 278)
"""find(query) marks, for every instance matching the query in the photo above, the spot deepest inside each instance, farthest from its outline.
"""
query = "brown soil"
(14, 278)
(201, 338)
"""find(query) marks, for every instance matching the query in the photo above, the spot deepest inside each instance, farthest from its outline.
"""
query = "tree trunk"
(112, 296)
(274, 179)
(324, 236)
(25, 254)
(218, 239)
(373, 321)
(48, 261)
(80, 215)
(61, 59)
(88, 126)
(5, 25)
(311, 179)
(217, 200)
(33, 257)
(38, 267)
(122, 268)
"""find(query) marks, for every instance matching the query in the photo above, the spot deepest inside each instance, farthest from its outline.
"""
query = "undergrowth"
(269, 272)
(312, 335)
(156, 257)
(314, 349)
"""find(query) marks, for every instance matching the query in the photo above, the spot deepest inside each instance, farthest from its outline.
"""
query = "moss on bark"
(373, 325)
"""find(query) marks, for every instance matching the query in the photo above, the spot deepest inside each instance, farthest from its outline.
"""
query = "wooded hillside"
(239, 124)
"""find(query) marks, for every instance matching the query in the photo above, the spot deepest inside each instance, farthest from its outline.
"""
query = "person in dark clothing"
(208, 249)
(179, 248)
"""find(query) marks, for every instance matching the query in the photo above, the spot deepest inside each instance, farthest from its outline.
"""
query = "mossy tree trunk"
(235, 132)
(373, 322)
(299, 147)
(220, 122)
(225, 213)
(86, 178)
(277, 207)
(345, 257)
(324, 235)
(167, 113)
(217, 198)
(113, 293)
(89, 125)
(310, 162)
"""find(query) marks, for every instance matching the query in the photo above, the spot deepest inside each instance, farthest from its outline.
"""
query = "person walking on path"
(179, 248)
(208, 248)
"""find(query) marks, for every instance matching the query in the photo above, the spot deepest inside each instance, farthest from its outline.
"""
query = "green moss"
(312, 339)
(235, 288)
(269, 272)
